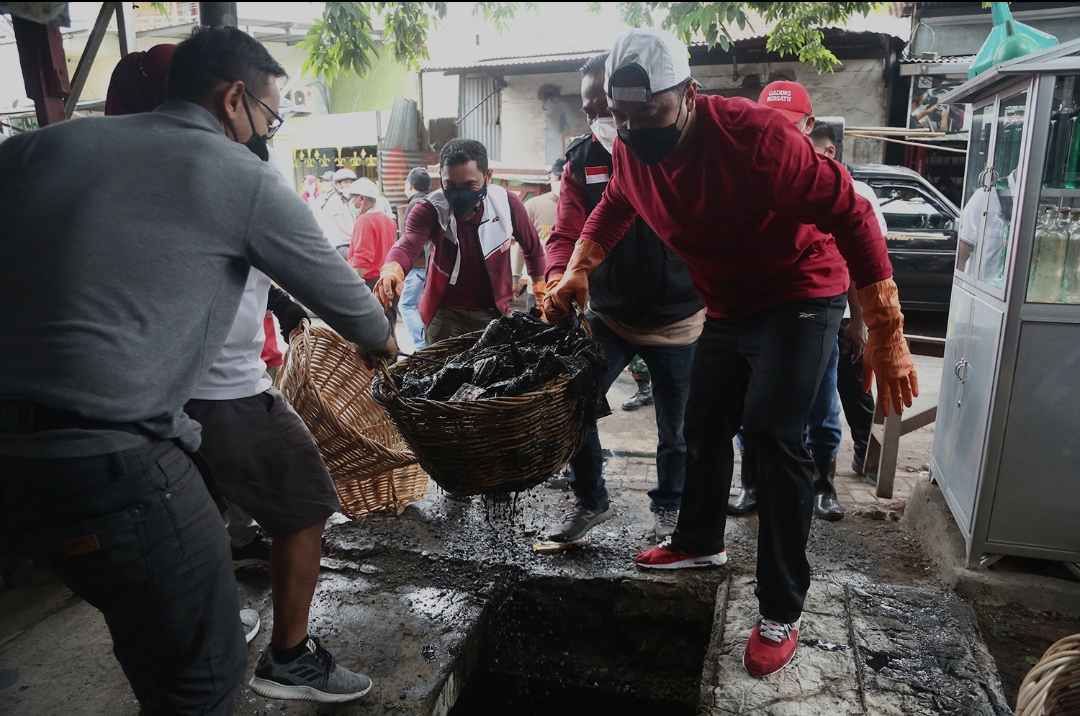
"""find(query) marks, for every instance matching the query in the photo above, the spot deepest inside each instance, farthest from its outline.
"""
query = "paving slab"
(865, 649)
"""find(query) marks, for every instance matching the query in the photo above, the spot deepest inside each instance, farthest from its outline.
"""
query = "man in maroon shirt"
(469, 222)
(373, 236)
(765, 226)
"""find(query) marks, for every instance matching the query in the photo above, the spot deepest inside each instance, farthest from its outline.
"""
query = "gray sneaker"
(665, 521)
(250, 619)
(578, 520)
(313, 677)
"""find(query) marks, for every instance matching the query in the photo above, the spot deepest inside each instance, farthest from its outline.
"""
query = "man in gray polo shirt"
(116, 295)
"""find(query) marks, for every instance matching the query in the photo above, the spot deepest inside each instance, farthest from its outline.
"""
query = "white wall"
(524, 128)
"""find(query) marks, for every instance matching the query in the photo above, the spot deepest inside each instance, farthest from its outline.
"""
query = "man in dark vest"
(641, 302)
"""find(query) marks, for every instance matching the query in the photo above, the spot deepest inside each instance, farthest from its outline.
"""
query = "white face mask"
(603, 128)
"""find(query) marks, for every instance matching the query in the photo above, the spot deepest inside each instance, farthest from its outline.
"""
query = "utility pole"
(217, 14)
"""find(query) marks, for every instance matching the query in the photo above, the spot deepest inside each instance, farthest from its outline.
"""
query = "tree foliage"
(345, 39)
(796, 27)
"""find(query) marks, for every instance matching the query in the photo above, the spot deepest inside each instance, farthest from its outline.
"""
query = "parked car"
(922, 225)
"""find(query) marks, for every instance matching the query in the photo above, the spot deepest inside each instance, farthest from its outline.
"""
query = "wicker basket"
(1052, 687)
(493, 445)
(329, 387)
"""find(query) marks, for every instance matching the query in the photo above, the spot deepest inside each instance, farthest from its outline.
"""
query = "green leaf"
(1031, 660)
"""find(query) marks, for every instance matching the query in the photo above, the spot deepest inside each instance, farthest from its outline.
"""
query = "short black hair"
(419, 179)
(216, 54)
(558, 166)
(463, 151)
(823, 134)
(594, 65)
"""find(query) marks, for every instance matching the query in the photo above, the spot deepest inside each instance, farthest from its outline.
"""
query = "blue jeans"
(410, 306)
(137, 536)
(823, 431)
(669, 367)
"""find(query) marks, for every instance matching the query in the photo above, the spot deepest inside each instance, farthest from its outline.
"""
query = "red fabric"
(570, 215)
(758, 216)
(481, 285)
(138, 81)
(271, 354)
(373, 235)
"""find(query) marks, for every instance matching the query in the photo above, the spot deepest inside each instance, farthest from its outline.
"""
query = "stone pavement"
(450, 596)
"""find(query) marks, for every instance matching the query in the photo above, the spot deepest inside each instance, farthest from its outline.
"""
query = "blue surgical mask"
(463, 201)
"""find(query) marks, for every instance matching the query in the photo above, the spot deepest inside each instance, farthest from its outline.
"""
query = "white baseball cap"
(363, 187)
(661, 59)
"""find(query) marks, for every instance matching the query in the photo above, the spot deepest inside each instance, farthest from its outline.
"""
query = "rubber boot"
(745, 501)
(826, 506)
(643, 396)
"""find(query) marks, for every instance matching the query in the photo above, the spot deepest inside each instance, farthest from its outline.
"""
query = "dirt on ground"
(875, 543)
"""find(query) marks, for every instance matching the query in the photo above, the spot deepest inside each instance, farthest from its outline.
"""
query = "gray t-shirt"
(125, 245)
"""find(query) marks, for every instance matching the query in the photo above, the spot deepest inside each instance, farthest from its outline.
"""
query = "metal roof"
(520, 61)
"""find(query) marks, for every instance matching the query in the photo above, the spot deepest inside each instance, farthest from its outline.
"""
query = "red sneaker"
(771, 647)
(664, 556)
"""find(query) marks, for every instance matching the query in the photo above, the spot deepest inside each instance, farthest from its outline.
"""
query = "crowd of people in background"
(712, 240)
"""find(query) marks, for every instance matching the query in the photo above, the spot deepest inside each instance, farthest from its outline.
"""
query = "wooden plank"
(86, 61)
(890, 450)
(918, 420)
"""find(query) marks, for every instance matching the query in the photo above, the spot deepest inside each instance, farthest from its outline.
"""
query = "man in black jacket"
(641, 302)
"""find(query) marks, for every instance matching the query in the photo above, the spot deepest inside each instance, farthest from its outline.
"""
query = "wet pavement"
(448, 604)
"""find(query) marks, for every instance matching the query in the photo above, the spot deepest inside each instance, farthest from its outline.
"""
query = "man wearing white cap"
(374, 234)
(765, 226)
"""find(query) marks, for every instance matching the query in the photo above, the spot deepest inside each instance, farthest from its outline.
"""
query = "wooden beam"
(44, 67)
(86, 61)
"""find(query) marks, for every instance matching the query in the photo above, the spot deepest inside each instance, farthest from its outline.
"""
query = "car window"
(909, 210)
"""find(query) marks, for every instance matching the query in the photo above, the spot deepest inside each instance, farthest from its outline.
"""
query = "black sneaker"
(315, 676)
(257, 551)
(578, 520)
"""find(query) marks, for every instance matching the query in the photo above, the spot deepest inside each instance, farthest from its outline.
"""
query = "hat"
(659, 59)
(558, 166)
(343, 174)
(138, 81)
(790, 98)
(327, 176)
(363, 187)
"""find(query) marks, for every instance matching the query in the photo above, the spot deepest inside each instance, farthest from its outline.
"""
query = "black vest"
(641, 282)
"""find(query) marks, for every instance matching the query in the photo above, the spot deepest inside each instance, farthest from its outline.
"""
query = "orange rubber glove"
(574, 284)
(886, 356)
(539, 288)
(391, 282)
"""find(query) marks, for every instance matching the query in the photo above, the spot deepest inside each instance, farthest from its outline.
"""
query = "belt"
(19, 415)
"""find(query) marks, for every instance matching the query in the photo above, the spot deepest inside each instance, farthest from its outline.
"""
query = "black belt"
(19, 415)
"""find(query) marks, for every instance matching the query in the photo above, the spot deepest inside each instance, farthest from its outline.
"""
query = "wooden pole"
(44, 66)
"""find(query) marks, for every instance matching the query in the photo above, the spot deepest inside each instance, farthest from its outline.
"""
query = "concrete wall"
(856, 91)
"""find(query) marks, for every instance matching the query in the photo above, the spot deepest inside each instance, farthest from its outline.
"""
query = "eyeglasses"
(274, 124)
(277, 120)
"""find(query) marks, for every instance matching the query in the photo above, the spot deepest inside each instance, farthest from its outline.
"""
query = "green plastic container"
(1002, 44)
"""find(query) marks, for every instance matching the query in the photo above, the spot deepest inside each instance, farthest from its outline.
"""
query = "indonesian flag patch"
(597, 175)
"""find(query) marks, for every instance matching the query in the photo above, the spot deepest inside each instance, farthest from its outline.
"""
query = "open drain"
(591, 647)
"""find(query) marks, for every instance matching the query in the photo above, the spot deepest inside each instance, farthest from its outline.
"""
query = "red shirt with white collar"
(758, 216)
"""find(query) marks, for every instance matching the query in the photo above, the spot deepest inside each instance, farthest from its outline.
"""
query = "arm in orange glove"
(539, 287)
(391, 282)
(574, 284)
(886, 356)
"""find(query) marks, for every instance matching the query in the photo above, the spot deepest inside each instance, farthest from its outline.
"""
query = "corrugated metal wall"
(394, 166)
(482, 122)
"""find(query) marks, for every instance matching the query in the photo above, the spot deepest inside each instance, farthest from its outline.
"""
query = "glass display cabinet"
(1007, 442)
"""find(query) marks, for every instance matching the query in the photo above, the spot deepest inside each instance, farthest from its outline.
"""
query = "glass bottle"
(1072, 168)
(1070, 282)
(1048, 260)
(1057, 154)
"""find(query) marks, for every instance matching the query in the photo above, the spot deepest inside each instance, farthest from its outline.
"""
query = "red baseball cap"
(791, 98)
(138, 81)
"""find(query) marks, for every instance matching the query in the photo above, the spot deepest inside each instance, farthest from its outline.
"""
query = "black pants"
(761, 371)
(858, 405)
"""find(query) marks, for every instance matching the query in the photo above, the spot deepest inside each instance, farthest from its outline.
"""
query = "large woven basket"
(329, 387)
(492, 445)
(1052, 687)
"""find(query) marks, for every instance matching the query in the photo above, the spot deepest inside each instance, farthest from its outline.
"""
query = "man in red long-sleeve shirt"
(373, 236)
(469, 222)
(766, 227)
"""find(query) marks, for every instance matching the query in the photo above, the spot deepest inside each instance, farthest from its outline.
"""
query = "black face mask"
(257, 142)
(463, 201)
(651, 145)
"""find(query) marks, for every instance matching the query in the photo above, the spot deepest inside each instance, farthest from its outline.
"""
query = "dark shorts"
(265, 460)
